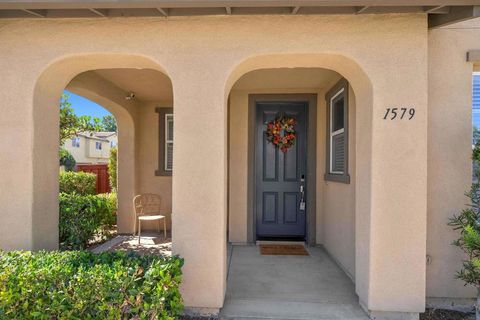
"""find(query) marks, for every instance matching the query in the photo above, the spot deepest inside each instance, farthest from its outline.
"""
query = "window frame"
(339, 90)
(162, 142)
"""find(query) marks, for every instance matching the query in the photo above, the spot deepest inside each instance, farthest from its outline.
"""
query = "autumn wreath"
(281, 132)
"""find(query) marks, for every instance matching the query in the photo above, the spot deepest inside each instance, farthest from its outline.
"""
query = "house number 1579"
(399, 113)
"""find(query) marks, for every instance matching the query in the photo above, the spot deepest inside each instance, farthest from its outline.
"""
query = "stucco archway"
(49, 87)
(363, 91)
(126, 143)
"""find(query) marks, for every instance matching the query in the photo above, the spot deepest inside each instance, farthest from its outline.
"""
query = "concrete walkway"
(288, 287)
(151, 243)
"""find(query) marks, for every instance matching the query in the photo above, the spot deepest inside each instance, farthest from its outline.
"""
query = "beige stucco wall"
(390, 203)
(338, 200)
(147, 158)
(238, 167)
(449, 150)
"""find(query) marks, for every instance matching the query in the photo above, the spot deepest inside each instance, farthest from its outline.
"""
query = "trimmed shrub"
(67, 160)
(84, 285)
(111, 199)
(84, 218)
(82, 183)
(112, 168)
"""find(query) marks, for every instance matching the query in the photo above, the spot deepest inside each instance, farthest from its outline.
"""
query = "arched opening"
(88, 173)
(475, 118)
(135, 90)
(308, 193)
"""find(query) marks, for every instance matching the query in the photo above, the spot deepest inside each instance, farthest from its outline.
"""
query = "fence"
(101, 170)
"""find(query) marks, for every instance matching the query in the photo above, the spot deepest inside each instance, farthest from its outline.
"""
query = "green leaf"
(84, 285)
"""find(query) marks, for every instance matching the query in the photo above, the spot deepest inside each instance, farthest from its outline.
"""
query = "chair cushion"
(156, 217)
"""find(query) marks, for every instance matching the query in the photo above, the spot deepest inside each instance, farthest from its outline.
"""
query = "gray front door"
(278, 175)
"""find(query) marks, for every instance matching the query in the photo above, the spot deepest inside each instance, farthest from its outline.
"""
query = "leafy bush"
(112, 168)
(111, 199)
(84, 285)
(67, 160)
(467, 223)
(82, 183)
(84, 218)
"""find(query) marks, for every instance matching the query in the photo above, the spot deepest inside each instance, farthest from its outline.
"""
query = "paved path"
(288, 287)
(151, 243)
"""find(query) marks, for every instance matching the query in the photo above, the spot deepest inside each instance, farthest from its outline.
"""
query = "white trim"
(338, 132)
(335, 133)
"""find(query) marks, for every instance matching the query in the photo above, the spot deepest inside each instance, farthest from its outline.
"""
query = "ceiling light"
(130, 96)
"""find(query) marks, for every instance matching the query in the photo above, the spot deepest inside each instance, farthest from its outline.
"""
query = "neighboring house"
(91, 147)
(112, 137)
(380, 92)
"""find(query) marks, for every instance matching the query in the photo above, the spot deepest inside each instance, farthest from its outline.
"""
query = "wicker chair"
(147, 208)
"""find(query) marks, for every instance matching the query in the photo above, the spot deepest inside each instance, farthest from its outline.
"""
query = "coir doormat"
(283, 250)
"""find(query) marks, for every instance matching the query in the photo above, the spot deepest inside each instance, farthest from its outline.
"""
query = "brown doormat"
(283, 250)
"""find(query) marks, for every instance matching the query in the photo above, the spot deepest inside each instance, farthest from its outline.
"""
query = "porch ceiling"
(148, 85)
(440, 12)
(285, 79)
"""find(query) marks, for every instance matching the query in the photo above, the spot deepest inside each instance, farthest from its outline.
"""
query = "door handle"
(302, 193)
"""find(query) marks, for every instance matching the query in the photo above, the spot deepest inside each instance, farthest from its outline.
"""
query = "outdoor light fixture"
(130, 96)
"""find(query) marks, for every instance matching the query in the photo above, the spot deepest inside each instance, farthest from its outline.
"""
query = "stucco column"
(398, 198)
(16, 161)
(450, 154)
(199, 185)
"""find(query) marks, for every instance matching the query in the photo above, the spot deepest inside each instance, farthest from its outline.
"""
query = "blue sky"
(85, 107)
(476, 100)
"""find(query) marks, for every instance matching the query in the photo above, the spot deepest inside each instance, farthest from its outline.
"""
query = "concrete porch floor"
(151, 243)
(288, 287)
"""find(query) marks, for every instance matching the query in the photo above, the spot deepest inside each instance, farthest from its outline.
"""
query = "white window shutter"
(168, 142)
(338, 153)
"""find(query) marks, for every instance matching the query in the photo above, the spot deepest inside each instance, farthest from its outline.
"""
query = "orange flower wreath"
(281, 132)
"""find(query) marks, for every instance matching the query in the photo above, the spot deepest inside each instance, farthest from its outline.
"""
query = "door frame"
(311, 99)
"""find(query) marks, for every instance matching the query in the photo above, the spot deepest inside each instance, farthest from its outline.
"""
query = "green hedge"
(84, 285)
(82, 183)
(82, 218)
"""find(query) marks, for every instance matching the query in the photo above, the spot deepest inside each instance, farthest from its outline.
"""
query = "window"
(113, 144)
(165, 142)
(76, 142)
(168, 142)
(98, 145)
(337, 133)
